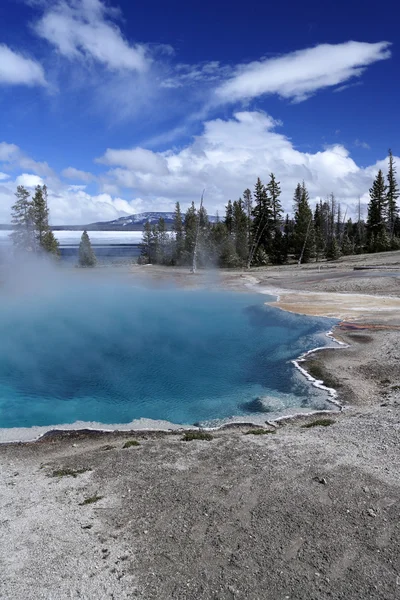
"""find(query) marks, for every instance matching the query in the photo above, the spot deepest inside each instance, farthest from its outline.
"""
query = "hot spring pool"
(110, 352)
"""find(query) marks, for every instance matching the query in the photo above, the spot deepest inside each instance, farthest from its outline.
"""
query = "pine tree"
(392, 196)
(347, 247)
(50, 244)
(23, 236)
(40, 214)
(87, 257)
(332, 249)
(240, 230)
(287, 238)
(163, 251)
(190, 228)
(319, 232)
(376, 228)
(204, 251)
(262, 221)
(146, 246)
(274, 191)
(177, 228)
(303, 233)
(276, 254)
(229, 216)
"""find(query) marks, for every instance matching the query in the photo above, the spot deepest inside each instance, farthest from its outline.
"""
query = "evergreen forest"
(254, 230)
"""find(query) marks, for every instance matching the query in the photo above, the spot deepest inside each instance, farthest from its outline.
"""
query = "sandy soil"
(302, 514)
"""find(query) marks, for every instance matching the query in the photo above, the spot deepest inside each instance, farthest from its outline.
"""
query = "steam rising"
(93, 347)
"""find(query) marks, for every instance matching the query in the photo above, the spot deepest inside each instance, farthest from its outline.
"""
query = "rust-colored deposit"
(344, 325)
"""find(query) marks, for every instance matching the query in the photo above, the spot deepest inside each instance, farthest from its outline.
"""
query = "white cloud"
(72, 173)
(300, 74)
(229, 156)
(8, 151)
(16, 69)
(361, 144)
(28, 180)
(137, 160)
(84, 29)
(225, 159)
(4, 176)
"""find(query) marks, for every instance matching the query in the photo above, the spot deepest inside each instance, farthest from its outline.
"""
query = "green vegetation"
(87, 257)
(131, 443)
(319, 423)
(196, 435)
(260, 431)
(30, 219)
(69, 472)
(255, 232)
(316, 370)
(90, 500)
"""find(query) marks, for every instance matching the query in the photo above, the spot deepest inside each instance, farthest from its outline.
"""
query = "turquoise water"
(111, 352)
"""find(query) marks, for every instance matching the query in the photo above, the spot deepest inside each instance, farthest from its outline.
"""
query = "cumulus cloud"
(8, 151)
(4, 176)
(16, 69)
(136, 159)
(72, 173)
(225, 159)
(85, 29)
(300, 74)
(28, 180)
(229, 156)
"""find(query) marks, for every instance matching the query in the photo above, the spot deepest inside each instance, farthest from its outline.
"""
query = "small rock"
(371, 512)
(321, 480)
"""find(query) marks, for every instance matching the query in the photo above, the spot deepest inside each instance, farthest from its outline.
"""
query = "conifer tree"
(190, 228)
(50, 244)
(23, 236)
(163, 254)
(303, 232)
(229, 216)
(274, 192)
(288, 238)
(347, 246)
(240, 230)
(262, 221)
(376, 227)
(204, 254)
(87, 257)
(392, 196)
(177, 228)
(276, 241)
(146, 250)
(319, 232)
(40, 214)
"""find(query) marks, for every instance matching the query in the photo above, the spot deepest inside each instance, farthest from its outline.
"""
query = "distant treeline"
(255, 232)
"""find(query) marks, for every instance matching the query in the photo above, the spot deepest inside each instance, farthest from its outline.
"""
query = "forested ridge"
(254, 230)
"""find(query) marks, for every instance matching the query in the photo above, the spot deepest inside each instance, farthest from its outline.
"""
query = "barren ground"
(302, 514)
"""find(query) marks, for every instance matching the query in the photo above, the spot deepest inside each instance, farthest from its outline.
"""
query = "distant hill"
(136, 222)
(129, 223)
(132, 222)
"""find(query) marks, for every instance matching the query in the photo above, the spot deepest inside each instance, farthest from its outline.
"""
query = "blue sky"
(127, 107)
